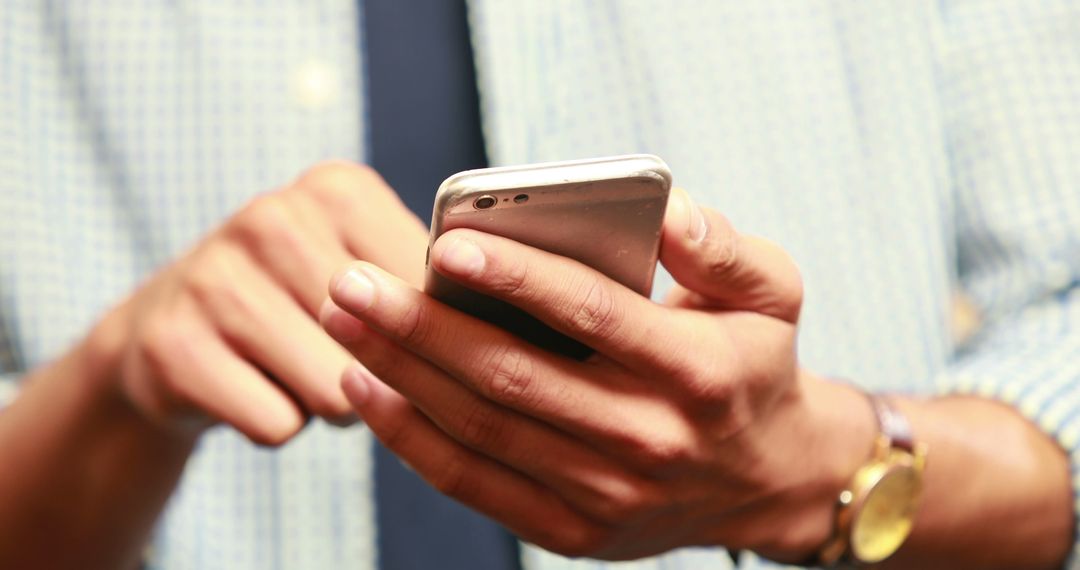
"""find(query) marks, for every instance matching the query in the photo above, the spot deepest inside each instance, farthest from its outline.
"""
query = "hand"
(693, 423)
(229, 334)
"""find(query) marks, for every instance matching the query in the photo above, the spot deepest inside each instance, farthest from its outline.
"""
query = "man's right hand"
(229, 332)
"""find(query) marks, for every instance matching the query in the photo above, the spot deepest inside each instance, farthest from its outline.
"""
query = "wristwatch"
(875, 513)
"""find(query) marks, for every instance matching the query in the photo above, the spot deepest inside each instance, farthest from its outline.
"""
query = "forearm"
(84, 475)
(997, 491)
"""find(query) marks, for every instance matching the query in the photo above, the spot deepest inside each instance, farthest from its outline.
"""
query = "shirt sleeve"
(1009, 82)
(9, 373)
(1032, 362)
(9, 387)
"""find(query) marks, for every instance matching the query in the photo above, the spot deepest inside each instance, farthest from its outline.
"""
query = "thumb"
(720, 268)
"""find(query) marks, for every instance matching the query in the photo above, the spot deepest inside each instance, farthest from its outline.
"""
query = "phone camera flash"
(484, 202)
(521, 198)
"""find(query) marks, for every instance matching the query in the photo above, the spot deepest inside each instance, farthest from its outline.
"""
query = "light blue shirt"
(901, 151)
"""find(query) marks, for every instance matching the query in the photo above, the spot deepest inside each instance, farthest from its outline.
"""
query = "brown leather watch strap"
(893, 427)
(892, 423)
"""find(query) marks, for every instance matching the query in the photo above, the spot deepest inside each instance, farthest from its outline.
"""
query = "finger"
(729, 270)
(527, 508)
(186, 366)
(294, 241)
(501, 367)
(369, 218)
(268, 327)
(566, 295)
(591, 482)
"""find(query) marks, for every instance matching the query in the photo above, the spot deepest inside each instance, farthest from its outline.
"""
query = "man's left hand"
(692, 424)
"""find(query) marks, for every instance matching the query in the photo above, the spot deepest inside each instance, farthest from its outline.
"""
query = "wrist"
(99, 357)
(876, 512)
(845, 429)
(93, 472)
(997, 490)
(822, 433)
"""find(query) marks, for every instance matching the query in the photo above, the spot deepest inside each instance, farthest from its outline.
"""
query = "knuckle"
(416, 326)
(214, 285)
(337, 184)
(577, 540)
(791, 291)
(335, 174)
(482, 427)
(786, 289)
(796, 293)
(150, 396)
(595, 313)
(165, 338)
(706, 385)
(512, 282)
(452, 479)
(266, 217)
(720, 395)
(274, 434)
(627, 502)
(393, 433)
(717, 396)
(161, 341)
(655, 453)
(204, 286)
(723, 256)
(344, 421)
(328, 404)
(507, 376)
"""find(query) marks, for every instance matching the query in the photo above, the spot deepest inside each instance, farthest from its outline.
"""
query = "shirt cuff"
(9, 389)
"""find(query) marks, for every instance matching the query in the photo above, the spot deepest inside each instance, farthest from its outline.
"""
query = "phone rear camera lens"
(484, 202)
(521, 198)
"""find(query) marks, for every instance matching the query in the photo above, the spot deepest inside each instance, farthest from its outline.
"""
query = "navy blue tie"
(424, 125)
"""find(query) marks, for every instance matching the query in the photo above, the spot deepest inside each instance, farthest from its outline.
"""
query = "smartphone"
(604, 212)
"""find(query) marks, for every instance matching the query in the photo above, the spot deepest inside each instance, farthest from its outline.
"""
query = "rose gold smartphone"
(606, 213)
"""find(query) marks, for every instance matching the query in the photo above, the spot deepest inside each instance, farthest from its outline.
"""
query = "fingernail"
(463, 257)
(355, 290)
(354, 382)
(697, 228)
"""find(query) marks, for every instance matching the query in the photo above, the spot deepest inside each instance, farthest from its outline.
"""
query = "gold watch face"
(887, 514)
